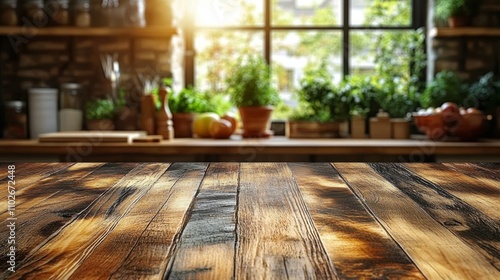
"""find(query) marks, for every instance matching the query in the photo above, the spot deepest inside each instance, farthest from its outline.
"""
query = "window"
(348, 36)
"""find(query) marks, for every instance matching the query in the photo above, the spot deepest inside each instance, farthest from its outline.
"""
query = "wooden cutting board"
(92, 136)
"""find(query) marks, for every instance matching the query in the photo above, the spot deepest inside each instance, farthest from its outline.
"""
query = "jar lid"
(71, 86)
(15, 104)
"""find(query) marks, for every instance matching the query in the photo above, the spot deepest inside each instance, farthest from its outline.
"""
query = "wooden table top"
(276, 145)
(251, 221)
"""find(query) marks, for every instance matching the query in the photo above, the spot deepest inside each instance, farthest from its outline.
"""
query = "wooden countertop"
(251, 220)
(276, 145)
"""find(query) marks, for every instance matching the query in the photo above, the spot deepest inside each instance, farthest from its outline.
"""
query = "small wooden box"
(358, 127)
(380, 127)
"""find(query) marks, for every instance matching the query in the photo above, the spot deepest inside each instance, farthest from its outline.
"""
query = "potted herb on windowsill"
(251, 90)
(99, 114)
(184, 107)
(313, 118)
(457, 13)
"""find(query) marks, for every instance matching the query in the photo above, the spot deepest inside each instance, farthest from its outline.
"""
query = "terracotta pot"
(458, 21)
(105, 124)
(256, 121)
(183, 125)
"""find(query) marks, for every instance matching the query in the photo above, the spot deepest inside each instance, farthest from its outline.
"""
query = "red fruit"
(232, 119)
(221, 129)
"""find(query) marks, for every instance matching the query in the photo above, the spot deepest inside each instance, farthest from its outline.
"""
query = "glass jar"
(81, 13)
(59, 12)
(108, 13)
(34, 12)
(71, 109)
(8, 13)
(16, 120)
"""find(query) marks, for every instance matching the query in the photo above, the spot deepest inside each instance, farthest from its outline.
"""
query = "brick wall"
(471, 57)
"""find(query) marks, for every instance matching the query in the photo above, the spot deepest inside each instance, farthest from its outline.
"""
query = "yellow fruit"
(202, 122)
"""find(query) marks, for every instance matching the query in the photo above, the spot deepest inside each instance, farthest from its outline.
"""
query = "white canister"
(42, 111)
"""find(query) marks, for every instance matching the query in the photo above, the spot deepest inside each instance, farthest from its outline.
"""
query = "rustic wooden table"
(250, 221)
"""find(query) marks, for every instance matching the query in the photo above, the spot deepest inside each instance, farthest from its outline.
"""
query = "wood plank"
(481, 194)
(436, 251)
(276, 236)
(206, 248)
(487, 175)
(62, 253)
(61, 207)
(149, 257)
(118, 244)
(357, 244)
(27, 174)
(40, 190)
(445, 32)
(447, 196)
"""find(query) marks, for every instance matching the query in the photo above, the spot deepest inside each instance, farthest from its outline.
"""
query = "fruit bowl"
(449, 122)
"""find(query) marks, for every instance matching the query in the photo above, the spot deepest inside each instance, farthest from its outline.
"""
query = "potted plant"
(184, 107)
(99, 114)
(312, 118)
(457, 13)
(251, 90)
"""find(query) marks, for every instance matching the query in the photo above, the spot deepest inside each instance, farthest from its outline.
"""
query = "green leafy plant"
(315, 94)
(188, 100)
(100, 109)
(485, 93)
(444, 9)
(447, 86)
(249, 84)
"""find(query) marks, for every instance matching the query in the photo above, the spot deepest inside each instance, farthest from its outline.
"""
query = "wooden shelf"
(153, 32)
(445, 32)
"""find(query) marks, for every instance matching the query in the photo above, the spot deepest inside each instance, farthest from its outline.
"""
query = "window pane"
(306, 12)
(380, 12)
(295, 52)
(373, 52)
(217, 50)
(216, 13)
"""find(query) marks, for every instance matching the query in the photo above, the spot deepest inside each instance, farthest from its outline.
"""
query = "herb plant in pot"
(99, 114)
(184, 107)
(252, 92)
(312, 118)
(457, 13)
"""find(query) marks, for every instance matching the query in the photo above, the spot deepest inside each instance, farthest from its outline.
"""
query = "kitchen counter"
(250, 221)
(275, 149)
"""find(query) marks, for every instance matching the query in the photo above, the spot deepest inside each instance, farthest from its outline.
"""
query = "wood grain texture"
(60, 205)
(30, 175)
(150, 255)
(64, 251)
(414, 229)
(358, 246)
(276, 237)
(206, 247)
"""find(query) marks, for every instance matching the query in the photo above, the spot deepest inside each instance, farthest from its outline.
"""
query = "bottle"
(164, 124)
(15, 120)
(8, 13)
(71, 111)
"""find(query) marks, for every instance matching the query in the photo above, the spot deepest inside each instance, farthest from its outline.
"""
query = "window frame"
(418, 20)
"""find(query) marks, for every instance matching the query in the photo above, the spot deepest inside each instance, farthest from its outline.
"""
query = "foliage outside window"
(383, 45)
